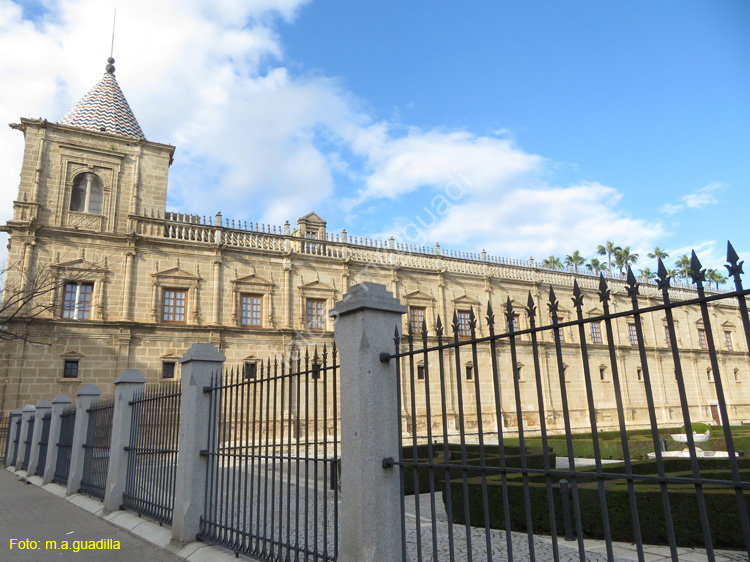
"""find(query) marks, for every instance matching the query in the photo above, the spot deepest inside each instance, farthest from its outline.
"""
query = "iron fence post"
(28, 413)
(42, 407)
(200, 362)
(85, 397)
(59, 404)
(565, 496)
(126, 386)
(14, 432)
(370, 501)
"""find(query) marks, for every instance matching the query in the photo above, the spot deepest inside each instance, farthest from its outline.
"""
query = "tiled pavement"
(30, 512)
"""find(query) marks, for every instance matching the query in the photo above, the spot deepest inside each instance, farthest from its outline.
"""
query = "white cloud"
(695, 200)
(260, 142)
(531, 222)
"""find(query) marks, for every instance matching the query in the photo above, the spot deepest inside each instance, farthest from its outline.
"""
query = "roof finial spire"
(110, 67)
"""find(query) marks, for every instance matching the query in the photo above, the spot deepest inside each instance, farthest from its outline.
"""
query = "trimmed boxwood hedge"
(721, 502)
(534, 459)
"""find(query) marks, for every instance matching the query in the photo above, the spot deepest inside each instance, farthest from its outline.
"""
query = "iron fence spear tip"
(732, 256)
(697, 273)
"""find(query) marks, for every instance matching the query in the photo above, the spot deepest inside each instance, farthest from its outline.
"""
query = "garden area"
(721, 500)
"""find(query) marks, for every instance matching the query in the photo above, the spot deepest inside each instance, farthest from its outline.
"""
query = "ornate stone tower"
(93, 168)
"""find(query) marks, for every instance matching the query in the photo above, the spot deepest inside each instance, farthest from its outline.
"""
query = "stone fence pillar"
(126, 386)
(28, 413)
(59, 404)
(86, 396)
(200, 362)
(42, 408)
(371, 507)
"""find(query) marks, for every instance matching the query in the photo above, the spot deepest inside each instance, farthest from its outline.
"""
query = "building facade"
(136, 285)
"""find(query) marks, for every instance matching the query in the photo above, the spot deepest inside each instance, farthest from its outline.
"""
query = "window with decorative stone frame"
(421, 308)
(252, 304)
(316, 299)
(91, 188)
(463, 305)
(71, 366)
(79, 290)
(728, 330)
(175, 296)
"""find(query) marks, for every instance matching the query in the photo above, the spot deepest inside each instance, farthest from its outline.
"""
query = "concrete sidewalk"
(42, 514)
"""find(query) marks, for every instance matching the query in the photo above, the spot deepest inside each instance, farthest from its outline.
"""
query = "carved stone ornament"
(84, 221)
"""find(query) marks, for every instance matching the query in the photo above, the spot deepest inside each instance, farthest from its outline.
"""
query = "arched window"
(87, 196)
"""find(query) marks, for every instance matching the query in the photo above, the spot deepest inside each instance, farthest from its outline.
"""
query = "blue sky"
(524, 128)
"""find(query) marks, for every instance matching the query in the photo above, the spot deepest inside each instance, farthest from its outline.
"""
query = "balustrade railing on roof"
(269, 238)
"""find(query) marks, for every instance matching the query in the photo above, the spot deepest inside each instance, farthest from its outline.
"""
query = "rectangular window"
(250, 308)
(559, 334)
(666, 333)
(316, 371)
(639, 372)
(77, 301)
(316, 310)
(702, 338)
(420, 372)
(173, 309)
(596, 332)
(70, 371)
(469, 372)
(416, 319)
(632, 334)
(167, 370)
(250, 369)
(516, 323)
(464, 324)
(728, 340)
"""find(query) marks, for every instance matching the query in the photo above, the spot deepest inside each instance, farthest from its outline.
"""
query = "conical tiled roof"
(104, 108)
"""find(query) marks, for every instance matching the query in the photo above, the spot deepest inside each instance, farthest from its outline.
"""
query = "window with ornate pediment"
(421, 312)
(317, 298)
(174, 298)
(252, 302)
(463, 306)
(80, 290)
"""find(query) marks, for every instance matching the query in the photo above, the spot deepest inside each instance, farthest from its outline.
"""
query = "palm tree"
(683, 266)
(647, 273)
(595, 266)
(715, 276)
(552, 262)
(574, 260)
(623, 258)
(608, 250)
(658, 253)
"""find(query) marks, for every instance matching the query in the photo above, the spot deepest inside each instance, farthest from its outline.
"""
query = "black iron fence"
(43, 444)
(27, 442)
(4, 432)
(65, 446)
(271, 489)
(152, 458)
(96, 448)
(14, 437)
(480, 464)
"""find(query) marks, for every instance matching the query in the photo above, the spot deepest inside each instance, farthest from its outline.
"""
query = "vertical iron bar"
(274, 402)
(415, 453)
(462, 434)
(397, 346)
(316, 383)
(334, 358)
(553, 305)
(446, 449)
(499, 423)
(298, 377)
(307, 452)
(578, 303)
(326, 465)
(480, 430)
(233, 439)
(652, 418)
(430, 452)
(521, 435)
(698, 278)
(604, 298)
(267, 549)
(531, 310)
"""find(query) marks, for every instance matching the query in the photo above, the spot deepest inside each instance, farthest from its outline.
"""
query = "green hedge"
(721, 504)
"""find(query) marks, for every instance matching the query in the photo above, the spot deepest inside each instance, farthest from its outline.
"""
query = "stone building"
(137, 285)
